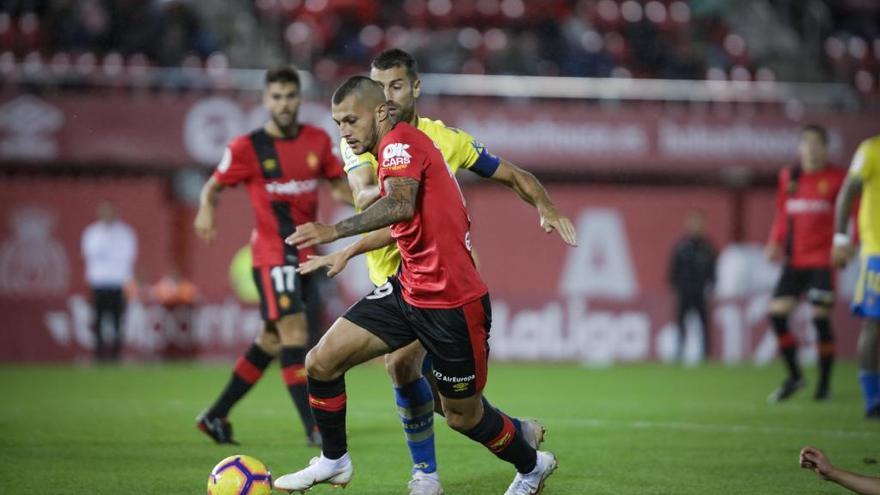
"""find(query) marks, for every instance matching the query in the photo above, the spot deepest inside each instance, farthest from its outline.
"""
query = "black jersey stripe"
(270, 166)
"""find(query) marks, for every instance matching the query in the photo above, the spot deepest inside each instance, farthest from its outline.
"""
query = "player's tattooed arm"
(843, 250)
(398, 204)
(530, 189)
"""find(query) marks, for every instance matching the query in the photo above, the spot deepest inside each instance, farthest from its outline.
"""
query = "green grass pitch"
(646, 429)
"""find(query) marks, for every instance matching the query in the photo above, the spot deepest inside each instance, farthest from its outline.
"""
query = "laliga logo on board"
(395, 156)
(32, 263)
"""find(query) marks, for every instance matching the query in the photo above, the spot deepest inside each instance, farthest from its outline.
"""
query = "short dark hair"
(818, 129)
(282, 74)
(356, 84)
(395, 57)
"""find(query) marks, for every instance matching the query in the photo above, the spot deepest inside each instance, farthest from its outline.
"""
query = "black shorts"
(817, 283)
(282, 291)
(457, 339)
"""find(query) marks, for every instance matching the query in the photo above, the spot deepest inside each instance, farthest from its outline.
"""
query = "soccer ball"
(240, 475)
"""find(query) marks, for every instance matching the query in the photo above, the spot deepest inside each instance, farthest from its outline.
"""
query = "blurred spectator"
(691, 275)
(109, 248)
(814, 459)
(174, 290)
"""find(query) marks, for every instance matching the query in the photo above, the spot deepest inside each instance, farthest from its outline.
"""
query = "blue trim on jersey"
(486, 164)
(866, 302)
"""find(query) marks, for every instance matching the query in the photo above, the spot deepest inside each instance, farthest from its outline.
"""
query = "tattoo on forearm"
(397, 204)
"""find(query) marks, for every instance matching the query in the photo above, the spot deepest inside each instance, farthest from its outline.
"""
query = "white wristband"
(841, 239)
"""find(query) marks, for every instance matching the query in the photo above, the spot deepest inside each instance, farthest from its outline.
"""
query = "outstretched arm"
(205, 222)
(843, 249)
(336, 261)
(527, 187)
(398, 204)
(814, 459)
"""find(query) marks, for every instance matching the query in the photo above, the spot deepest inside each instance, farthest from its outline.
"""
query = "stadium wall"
(171, 130)
(605, 301)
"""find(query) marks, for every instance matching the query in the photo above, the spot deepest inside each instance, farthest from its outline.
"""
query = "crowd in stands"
(672, 39)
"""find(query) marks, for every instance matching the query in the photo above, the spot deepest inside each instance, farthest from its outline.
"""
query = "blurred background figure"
(109, 248)
(692, 275)
(801, 238)
(174, 290)
(814, 459)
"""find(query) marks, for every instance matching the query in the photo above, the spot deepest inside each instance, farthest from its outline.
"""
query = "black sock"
(787, 345)
(517, 423)
(328, 407)
(497, 433)
(826, 351)
(294, 372)
(247, 371)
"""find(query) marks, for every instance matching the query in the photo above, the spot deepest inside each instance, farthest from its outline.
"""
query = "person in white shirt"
(109, 248)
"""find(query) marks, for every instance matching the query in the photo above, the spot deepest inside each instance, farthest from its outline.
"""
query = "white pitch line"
(707, 427)
(638, 425)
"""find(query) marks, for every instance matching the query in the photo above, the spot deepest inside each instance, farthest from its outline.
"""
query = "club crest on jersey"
(395, 156)
(284, 301)
(823, 187)
(269, 164)
(312, 161)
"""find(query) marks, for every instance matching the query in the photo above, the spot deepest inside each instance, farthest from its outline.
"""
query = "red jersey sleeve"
(330, 166)
(777, 230)
(401, 159)
(236, 166)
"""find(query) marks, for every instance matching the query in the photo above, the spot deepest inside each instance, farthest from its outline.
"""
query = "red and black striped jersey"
(804, 223)
(281, 176)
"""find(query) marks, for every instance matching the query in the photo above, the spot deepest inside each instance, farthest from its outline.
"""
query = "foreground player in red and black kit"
(801, 237)
(438, 297)
(281, 165)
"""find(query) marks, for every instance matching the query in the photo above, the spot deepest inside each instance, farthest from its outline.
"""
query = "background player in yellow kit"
(397, 72)
(864, 175)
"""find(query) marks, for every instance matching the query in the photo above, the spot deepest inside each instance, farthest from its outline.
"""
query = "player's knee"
(269, 343)
(319, 368)
(780, 308)
(403, 367)
(463, 415)
(461, 421)
(293, 330)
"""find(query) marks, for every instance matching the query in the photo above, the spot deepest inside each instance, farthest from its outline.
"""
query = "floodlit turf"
(646, 429)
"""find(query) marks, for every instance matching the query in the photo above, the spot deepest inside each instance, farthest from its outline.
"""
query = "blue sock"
(415, 405)
(870, 381)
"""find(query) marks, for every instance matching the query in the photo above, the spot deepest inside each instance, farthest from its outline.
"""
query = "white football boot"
(532, 483)
(336, 472)
(533, 433)
(425, 484)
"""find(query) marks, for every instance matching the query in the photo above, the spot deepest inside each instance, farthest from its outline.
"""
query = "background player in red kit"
(801, 237)
(281, 165)
(438, 297)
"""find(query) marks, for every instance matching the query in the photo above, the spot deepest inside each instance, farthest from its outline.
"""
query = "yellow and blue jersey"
(459, 149)
(866, 167)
